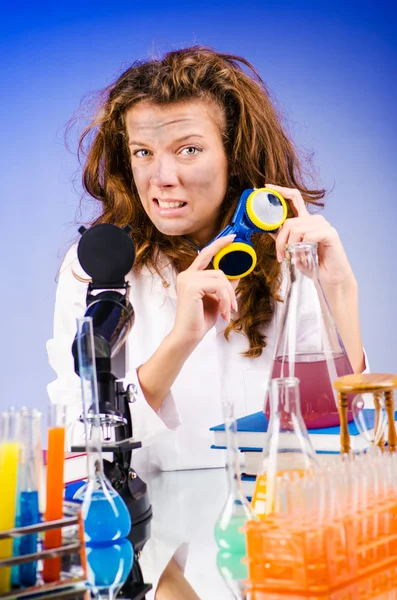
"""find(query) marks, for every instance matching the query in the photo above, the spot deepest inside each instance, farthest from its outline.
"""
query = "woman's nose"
(164, 172)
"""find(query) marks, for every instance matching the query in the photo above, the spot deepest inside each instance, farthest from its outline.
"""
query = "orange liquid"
(263, 499)
(54, 498)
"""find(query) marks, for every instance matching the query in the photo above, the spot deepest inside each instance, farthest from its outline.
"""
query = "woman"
(173, 145)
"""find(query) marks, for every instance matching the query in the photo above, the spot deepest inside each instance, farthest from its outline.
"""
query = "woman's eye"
(190, 150)
(141, 153)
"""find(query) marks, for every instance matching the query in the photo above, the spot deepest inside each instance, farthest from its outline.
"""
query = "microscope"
(106, 253)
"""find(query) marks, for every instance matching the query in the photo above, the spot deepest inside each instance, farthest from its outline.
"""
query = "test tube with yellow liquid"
(287, 447)
(9, 459)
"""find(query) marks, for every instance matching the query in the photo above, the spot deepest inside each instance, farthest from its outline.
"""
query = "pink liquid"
(318, 398)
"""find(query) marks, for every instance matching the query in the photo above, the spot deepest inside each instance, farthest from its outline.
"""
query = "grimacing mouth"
(181, 202)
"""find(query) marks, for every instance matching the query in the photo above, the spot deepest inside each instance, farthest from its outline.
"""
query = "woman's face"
(179, 165)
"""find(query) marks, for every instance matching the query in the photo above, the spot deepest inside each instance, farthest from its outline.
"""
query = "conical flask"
(287, 447)
(308, 344)
(235, 513)
(105, 514)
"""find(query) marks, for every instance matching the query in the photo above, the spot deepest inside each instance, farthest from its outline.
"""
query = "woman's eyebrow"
(190, 135)
(136, 143)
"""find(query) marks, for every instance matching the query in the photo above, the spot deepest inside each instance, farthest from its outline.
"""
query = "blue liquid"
(17, 542)
(230, 566)
(233, 571)
(28, 544)
(228, 535)
(106, 517)
(109, 566)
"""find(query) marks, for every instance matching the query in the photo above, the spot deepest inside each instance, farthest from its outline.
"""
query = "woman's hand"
(335, 272)
(202, 295)
(334, 267)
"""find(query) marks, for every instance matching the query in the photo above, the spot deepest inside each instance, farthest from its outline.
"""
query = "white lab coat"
(177, 436)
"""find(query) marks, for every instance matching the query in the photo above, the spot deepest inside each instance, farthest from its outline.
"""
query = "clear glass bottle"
(308, 344)
(287, 447)
(235, 513)
(105, 514)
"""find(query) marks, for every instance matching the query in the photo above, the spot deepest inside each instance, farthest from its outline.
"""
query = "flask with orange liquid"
(287, 446)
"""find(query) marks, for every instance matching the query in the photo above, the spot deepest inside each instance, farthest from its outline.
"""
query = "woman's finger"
(223, 283)
(208, 284)
(297, 202)
(234, 284)
(207, 254)
(220, 290)
(231, 285)
(294, 229)
(313, 231)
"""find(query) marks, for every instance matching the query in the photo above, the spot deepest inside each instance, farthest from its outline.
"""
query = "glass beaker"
(287, 447)
(308, 344)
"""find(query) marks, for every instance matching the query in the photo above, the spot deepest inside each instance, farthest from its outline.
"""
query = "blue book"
(251, 430)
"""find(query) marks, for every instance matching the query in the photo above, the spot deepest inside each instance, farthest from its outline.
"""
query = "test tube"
(29, 493)
(54, 488)
(15, 570)
(38, 453)
(9, 458)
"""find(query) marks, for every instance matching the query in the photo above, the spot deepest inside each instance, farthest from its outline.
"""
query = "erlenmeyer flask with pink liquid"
(308, 344)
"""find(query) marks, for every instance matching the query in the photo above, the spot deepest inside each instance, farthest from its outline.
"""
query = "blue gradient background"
(331, 67)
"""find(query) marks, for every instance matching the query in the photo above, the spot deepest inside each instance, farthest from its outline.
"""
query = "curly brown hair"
(256, 145)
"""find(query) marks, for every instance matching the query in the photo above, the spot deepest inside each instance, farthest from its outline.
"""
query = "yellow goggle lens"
(236, 260)
(266, 208)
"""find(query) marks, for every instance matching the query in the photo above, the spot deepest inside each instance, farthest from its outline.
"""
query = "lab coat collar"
(164, 285)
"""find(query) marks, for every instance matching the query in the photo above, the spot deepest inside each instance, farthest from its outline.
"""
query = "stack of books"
(251, 432)
(75, 468)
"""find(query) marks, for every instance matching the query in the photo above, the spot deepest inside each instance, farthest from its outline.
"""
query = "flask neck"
(288, 446)
(94, 451)
(232, 452)
(302, 260)
(285, 402)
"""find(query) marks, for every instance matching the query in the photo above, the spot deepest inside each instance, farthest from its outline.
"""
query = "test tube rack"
(381, 586)
(302, 549)
(308, 559)
(70, 585)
